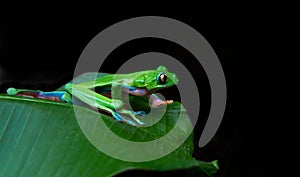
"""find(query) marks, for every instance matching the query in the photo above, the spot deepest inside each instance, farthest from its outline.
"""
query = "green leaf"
(43, 138)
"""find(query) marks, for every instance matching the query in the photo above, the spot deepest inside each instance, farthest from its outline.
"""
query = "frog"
(141, 83)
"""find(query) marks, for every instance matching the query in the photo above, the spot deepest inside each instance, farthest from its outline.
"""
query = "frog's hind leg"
(103, 103)
(59, 96)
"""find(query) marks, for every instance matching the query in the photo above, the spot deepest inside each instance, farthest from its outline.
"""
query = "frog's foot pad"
(157, 103)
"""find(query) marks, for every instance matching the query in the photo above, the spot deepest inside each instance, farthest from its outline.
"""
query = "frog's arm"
(156, 101)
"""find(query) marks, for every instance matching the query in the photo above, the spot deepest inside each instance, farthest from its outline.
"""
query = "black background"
(39, 48)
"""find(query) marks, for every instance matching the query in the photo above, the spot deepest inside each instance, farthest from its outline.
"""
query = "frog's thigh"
(116, 91)
(92, 98)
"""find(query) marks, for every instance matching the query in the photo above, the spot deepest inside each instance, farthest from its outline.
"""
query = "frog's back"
(104, 79)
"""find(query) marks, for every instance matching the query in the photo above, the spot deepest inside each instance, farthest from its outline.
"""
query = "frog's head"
(156, 79)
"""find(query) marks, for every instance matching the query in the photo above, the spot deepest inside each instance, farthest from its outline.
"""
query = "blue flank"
(58, 94)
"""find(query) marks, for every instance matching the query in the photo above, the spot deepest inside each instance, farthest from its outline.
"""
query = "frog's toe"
(119, 118)
(130, 122)
(142, 123)
(140, 113)
(12, 91)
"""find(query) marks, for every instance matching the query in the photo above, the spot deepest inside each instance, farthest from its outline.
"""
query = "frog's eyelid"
(161, 68)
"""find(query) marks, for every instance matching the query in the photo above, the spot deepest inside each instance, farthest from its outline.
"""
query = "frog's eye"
(162, 78)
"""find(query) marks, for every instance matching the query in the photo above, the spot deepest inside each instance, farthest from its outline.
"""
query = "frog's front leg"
(155, 101)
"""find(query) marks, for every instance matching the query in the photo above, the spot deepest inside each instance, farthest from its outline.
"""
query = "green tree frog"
(142, 83)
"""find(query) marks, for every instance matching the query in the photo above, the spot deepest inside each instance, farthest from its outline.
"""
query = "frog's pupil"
(163, 78)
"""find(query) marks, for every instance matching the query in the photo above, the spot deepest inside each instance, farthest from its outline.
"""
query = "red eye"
(162, 78)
